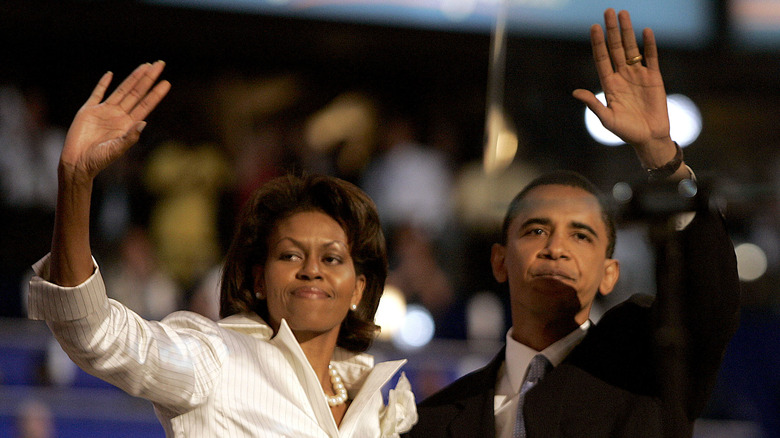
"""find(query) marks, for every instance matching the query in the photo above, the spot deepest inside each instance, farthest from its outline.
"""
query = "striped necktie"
(536, 370)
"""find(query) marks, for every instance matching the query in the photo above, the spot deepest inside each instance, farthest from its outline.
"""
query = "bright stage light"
(684, 119)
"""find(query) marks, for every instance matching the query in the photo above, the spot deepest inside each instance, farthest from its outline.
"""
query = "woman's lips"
(310, 292)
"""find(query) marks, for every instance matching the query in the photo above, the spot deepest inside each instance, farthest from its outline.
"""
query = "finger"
(651, 50)
(142, 86)
(100, 89)
(150, 101)
(127, 85)
(627, 36)
(600, 53)
(614, 39)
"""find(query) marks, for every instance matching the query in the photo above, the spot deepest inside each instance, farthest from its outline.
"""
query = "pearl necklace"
(341, 391)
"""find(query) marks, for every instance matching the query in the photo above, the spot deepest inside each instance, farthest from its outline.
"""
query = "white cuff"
(50, 302)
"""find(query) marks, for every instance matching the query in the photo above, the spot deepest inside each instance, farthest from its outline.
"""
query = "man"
(630, 375)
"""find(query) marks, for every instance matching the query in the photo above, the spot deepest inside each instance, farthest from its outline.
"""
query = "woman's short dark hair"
(283, 197)
(564, 178)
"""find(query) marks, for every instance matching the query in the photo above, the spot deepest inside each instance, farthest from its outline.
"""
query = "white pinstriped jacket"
(229, 378)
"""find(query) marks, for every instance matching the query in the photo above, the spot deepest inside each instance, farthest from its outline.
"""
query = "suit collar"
(476, 408)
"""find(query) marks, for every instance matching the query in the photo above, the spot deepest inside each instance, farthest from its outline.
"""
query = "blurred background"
(438, 116)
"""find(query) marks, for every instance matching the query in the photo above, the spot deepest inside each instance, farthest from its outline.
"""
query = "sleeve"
(707, 308)
(175, 362)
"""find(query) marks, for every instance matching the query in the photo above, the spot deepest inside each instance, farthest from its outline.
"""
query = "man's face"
(555, 255)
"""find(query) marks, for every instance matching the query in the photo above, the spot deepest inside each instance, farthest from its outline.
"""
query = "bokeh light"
(417, 330)
(485, 316)
(391, 312)
(751, 261)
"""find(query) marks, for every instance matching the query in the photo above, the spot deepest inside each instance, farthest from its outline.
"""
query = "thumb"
(136, 130)
(593, 103)
(128, 139)
(588, 98)
(118, 146)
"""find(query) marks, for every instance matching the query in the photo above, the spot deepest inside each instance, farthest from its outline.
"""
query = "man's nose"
(555, 247)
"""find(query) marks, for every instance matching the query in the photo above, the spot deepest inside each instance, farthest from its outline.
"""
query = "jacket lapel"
(376, 379)
(476, 409)
(285, 340)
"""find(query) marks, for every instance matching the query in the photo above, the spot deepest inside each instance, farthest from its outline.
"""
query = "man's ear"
(258, 281)
(610, 278)
(497, 262)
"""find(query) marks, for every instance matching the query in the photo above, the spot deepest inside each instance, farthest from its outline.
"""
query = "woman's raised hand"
(103, 130)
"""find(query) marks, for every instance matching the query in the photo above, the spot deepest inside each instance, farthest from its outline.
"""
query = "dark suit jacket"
(625, 379)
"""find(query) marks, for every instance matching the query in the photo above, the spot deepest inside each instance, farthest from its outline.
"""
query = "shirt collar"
(520, 355)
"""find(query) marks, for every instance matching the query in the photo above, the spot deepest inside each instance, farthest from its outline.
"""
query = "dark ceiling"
(64, 46)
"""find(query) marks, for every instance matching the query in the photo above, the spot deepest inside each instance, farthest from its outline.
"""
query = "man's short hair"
(563, 178)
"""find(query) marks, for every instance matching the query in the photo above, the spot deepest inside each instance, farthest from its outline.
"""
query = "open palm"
(103, 130)
(636, 100)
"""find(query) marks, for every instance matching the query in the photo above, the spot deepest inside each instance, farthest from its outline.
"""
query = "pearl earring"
(257, 295)
(354, 307)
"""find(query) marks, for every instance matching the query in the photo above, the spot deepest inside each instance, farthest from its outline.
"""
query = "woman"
(300, 287)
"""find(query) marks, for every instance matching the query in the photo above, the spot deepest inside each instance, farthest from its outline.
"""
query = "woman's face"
(309, 277)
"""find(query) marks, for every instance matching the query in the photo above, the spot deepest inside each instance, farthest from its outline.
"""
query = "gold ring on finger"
(636, 59)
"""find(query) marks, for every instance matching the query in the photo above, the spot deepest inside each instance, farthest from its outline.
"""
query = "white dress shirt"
(230, 378)
(512, 373)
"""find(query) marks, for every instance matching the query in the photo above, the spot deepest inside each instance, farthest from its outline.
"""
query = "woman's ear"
(360, 286)
(258, 282)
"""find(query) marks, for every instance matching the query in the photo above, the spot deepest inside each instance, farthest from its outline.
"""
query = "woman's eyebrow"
(300, 243)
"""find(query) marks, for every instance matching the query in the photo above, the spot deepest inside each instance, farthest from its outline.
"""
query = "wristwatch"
(669, 168)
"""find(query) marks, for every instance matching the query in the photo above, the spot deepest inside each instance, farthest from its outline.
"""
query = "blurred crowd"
(165, 212)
